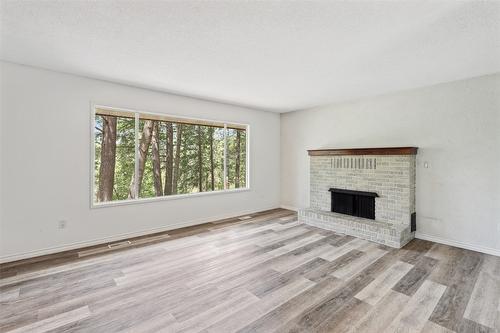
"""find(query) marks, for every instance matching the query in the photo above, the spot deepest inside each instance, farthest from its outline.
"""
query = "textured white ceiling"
(278, 56)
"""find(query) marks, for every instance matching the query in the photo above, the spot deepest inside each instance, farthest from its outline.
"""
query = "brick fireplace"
(352, 180)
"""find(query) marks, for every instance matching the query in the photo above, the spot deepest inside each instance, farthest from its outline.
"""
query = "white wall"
(457, 129)
(45, 144)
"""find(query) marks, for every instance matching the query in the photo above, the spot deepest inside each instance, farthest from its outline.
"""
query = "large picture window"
(139, 156)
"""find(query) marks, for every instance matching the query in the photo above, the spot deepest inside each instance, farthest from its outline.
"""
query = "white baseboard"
(290, 207)
(115, 238)
(451, 242)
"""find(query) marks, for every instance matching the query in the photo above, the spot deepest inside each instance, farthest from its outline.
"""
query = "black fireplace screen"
(355, 203)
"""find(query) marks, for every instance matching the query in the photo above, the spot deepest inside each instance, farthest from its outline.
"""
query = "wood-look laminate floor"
(267, 273)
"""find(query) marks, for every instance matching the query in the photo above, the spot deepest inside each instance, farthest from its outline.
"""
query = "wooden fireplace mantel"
(364, 151)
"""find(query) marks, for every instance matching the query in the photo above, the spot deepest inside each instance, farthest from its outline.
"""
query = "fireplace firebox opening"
(355, 203)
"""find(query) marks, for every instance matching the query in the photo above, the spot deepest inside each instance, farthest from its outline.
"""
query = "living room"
(306, 166)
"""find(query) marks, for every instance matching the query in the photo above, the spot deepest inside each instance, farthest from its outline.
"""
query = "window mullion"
(225, 157)
(136, 165)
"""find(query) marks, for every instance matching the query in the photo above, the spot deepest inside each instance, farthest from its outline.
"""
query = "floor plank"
(380, 316)
(462, 277)
(484, 304)
(418, 309)
(55, 322)
(269, 302)
(376, 290)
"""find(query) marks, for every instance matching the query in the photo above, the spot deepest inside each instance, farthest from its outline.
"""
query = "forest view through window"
(140, 155)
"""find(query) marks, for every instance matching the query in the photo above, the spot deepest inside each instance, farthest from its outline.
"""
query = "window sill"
(165, 198)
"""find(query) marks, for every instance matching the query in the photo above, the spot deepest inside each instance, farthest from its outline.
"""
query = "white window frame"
(137, 113)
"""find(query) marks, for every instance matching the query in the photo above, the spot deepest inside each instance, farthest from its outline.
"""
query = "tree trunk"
(169, 159)
(200, 161)
(237, 164)
(178, 144)
(155, 149)
(212, 175)
(135, 189)
(108, 155)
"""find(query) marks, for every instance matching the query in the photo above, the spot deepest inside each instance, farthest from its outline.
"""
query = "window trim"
(93, 204)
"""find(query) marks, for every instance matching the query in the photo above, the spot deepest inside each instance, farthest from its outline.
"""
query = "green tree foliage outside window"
(172, 157)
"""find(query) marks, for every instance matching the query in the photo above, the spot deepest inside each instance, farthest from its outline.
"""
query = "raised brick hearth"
(389, 172)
